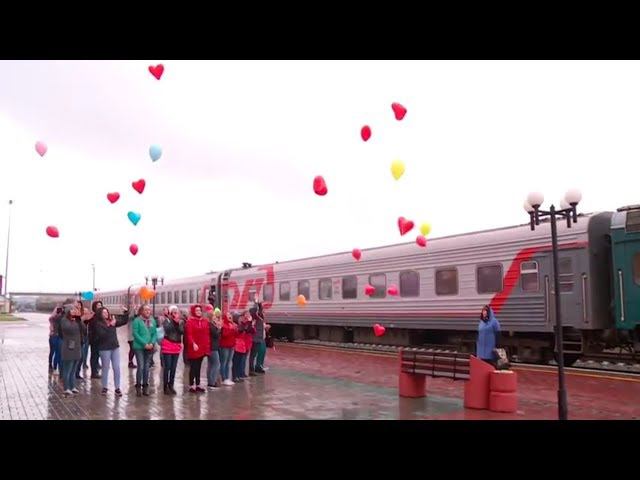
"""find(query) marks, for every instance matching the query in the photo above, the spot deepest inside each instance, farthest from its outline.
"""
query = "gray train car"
(442, 288)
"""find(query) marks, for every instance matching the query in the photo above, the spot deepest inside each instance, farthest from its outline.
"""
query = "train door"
(627, 279)
(223, 291)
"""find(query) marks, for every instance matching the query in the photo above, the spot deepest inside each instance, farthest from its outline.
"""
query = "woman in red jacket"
(228, 335)
(198, 343)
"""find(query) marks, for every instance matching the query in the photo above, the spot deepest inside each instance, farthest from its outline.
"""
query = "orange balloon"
(301, 300)
(146, 293)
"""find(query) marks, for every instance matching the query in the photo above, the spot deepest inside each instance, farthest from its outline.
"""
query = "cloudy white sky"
(242, 142)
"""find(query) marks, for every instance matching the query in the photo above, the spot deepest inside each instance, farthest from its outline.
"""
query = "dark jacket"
(173, 331)
(71, 333)
(215, 337)
(106, 336)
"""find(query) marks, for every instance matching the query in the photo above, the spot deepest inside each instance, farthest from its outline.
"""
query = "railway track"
(601, 362)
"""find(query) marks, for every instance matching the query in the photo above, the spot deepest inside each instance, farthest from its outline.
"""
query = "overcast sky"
(242, 142)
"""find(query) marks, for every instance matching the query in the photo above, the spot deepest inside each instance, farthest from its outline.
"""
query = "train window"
(184, 296)
(636, 268)
(350, 287)
(169, 297)
(529, 277)
(163, 297)
(379, 281)
(325, 289)
(303, 288)
(267, 293)
(447, 281)
(409, 284)
(191, 300)
(565, 272)
(285, 291)
(489, 278)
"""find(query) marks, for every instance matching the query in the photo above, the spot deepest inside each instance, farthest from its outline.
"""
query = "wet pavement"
(302, 383)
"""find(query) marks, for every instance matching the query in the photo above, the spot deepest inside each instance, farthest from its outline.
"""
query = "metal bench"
(416, 365)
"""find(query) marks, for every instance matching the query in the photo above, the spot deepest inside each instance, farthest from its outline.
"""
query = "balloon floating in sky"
(393, 290)
(53, 232)
(319, 186)
(365, 133)
(397, 169)
(369, 290)
(146, 293)
(134, 217)
(421, 240)
(41, 148)
(88, 296)
(425, 228)
(157, 71)
(378, 330)
(133, 248)
(155, 152)
(404, 225)
(139, 185)
(113, 197)
(398, 110)
(301, 300)
(356, 253)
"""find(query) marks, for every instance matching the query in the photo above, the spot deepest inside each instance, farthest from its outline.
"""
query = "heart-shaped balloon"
(398, 110)
(404, 225)
(369, 290)
(88, 296)
(155, 152)
(421, 240)
(425, 229)
(139, 185)
(319, 186)
(133, 248)
(41, 148)
(392, 290)
(113, 197)
(53, 232)
(365, 133)
(378, 330)
(157, 71)
(301, 300)
(356, 253)
(397, 169)
(134, 217)
(208, 307)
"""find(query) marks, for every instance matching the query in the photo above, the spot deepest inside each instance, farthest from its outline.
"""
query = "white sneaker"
(68, 392)
(228, 383)
(75, 390)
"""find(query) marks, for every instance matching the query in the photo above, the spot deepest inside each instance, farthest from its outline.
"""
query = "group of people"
(229, 342)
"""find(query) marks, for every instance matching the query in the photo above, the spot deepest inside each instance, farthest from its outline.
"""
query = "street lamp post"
(569, 212)
(6, 263)
(154, 283)
(93, 267)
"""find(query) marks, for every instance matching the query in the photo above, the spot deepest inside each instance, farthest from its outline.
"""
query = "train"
(442, 288)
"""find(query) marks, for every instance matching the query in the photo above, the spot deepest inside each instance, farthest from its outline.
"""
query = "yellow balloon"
(397, 169)
(301, 300)
(425, 228)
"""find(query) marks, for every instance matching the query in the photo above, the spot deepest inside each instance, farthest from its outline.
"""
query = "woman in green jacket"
(145, 338)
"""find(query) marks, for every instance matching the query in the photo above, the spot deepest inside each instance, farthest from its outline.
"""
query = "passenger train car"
(443, 287)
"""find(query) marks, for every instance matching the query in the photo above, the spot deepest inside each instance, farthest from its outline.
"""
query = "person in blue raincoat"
(488, 336)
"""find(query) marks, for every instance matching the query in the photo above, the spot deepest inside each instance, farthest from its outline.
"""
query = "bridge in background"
(43, 294)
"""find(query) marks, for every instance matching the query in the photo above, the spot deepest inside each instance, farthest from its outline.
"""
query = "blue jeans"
(54, 352)
(143, 359)
(85, 353)
(69, 373)
(169, 364)
(213, 367)
(238, 362)
(226, 354)
(113, 357)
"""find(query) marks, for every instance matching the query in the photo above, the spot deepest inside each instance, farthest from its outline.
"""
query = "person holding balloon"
(145, 338)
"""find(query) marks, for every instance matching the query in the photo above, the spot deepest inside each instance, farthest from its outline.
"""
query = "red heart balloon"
(133, 248)
(356, 253)
(421, 240)
(369, 290)
(365, 133)
(399, 111)
(404, 225)
(53, 232)
(319, 186)
(113, 197)
(378, 330)
(393, 290)
(139, 185)
(157, 71)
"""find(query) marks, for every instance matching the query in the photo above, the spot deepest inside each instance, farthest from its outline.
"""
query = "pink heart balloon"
(378, 330)
(357, 254)
(393, 290)
(369, 290)
(41, 148)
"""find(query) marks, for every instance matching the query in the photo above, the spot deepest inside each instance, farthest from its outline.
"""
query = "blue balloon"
(87, 296)
(134, 217)
(155, 152)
